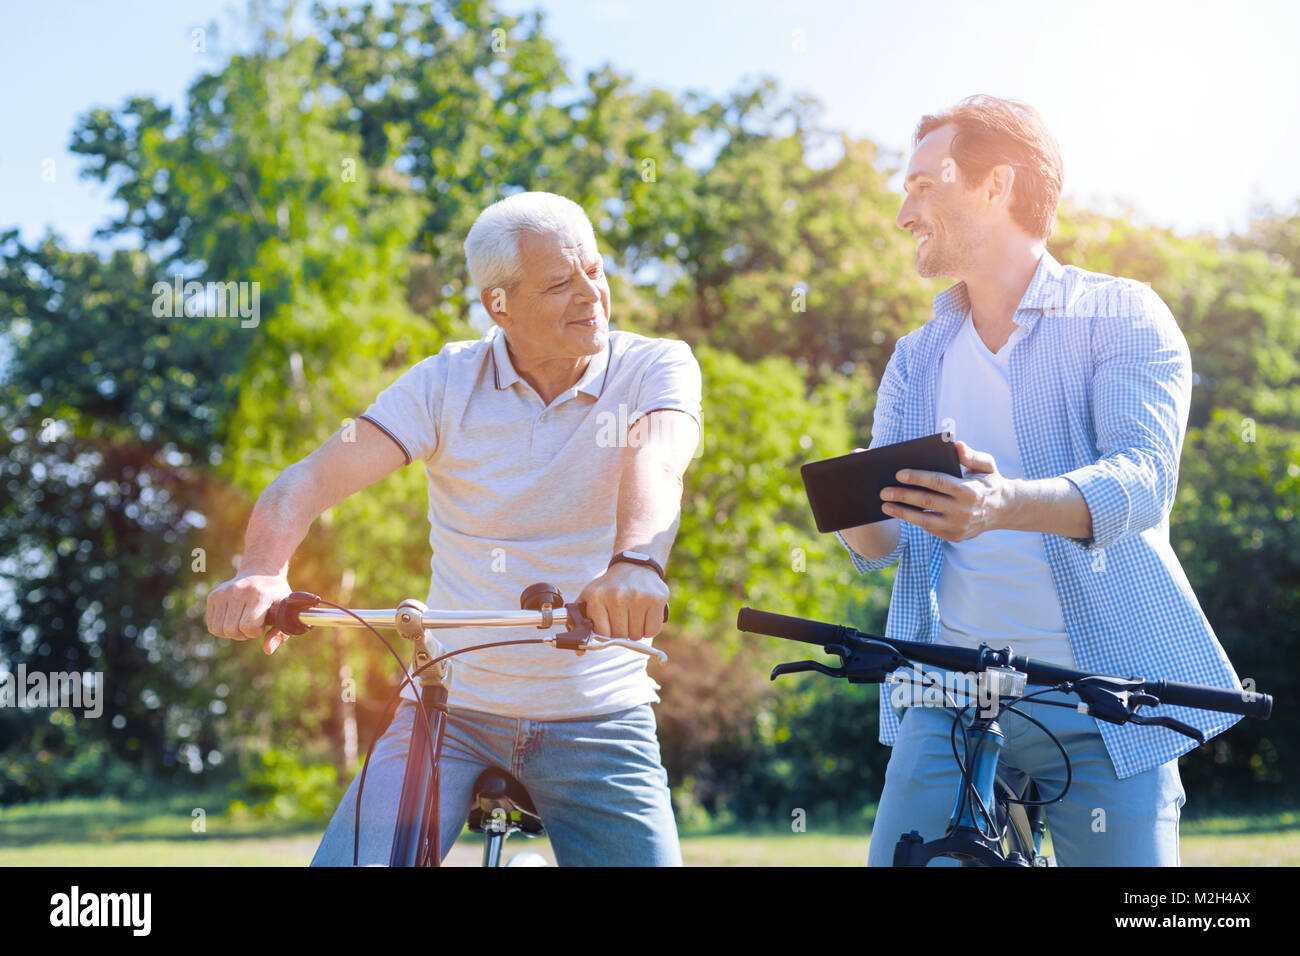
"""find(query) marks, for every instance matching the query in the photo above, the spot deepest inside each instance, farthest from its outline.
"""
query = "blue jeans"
(1103, 821)
(598, 785)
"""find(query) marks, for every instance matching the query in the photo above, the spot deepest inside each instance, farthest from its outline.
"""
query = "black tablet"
(845, 492)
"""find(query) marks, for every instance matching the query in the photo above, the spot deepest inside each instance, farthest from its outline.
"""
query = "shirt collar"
(592, 382)
(1045, 294)
(504, 369)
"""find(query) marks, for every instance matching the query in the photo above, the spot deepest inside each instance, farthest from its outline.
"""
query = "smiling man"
(1070, 391)
(525, 486)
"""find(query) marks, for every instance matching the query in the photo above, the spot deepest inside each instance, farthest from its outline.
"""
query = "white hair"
(492, 246)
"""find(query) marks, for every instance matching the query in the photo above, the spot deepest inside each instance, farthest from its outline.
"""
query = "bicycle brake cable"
(1065, 757)
(985, 821)
(1011, 708)
(969, 793)
(407, 679)
(435, 747)
(951, 704)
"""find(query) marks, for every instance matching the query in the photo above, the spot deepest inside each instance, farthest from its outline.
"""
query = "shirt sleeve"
(671, 381)
(1141, 397)
(408, 410)
(887, 429)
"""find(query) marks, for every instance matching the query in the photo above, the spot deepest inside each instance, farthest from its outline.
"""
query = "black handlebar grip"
(275, 617)
(1246, 703)
(789, 628)
(284, 614)
(582, 609)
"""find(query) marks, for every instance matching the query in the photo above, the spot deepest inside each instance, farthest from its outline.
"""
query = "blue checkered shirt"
(1101, 384)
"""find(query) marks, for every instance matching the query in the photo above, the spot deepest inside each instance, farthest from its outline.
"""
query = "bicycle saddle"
(497, 790)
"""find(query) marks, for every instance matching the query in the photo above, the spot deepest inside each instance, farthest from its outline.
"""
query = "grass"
(157, 832)
(167, 832)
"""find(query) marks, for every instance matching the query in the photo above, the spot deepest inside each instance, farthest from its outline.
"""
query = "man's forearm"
(875, 540)
(281, 519)
(1047, 505)
(659, 450)
(649, 507)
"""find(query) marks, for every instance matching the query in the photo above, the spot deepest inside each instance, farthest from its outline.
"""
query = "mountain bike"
(500, 806)
(993, 824)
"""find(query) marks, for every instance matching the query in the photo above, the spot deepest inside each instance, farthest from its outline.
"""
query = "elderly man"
(527, 483)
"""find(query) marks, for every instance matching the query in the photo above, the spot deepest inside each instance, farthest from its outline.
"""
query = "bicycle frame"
(981, 786)
(416, 836)
(1025, 826)
(966, 841)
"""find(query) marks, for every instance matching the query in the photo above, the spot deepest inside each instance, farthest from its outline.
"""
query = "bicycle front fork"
(966, 840)
(415, 837)
(986, 739)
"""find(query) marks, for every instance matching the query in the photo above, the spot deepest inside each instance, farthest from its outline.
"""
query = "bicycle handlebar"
(299, 612)
(431, 619)
(1245, 703)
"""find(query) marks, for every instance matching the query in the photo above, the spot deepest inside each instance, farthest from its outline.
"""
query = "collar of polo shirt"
(592, 382)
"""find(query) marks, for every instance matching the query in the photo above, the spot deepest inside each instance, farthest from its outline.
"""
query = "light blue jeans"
(1103, 821)
(598, 785)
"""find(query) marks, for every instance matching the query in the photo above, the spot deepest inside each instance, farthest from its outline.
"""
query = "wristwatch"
(638, 557)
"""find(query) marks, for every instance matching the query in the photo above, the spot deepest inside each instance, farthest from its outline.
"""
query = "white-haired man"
(525, 485)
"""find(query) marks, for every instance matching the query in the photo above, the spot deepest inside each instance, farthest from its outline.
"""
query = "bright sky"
(1189, 110)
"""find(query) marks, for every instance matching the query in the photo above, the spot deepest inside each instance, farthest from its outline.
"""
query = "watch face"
(636, 555)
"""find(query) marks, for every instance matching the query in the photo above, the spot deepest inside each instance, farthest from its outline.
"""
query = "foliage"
(1235, 531)
(284, 788)
(340, 171)
(58, 762)
(1237, 308)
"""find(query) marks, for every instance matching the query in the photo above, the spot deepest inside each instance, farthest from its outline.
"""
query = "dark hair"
(992, 132)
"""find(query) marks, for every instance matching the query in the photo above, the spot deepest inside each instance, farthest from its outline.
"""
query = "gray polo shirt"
(521, 492)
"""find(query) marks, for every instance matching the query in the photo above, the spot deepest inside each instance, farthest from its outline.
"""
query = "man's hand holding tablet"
(954, 509)
(842, 493)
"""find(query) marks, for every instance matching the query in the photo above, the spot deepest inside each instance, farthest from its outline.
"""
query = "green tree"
(747, 538)
(104, 422)
(340, 171)
(1235, 530)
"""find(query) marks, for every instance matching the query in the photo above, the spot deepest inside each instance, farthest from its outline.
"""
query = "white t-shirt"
(995, 588)
(521, 493)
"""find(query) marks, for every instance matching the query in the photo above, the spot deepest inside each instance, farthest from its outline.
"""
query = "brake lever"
(580, 638)
(1114, 701)
(596, 643)
(861, 662)
(1108, 701)
(1159, 721)
(800, 667)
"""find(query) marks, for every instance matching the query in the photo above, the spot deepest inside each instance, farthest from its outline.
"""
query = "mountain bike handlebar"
(867, 659)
